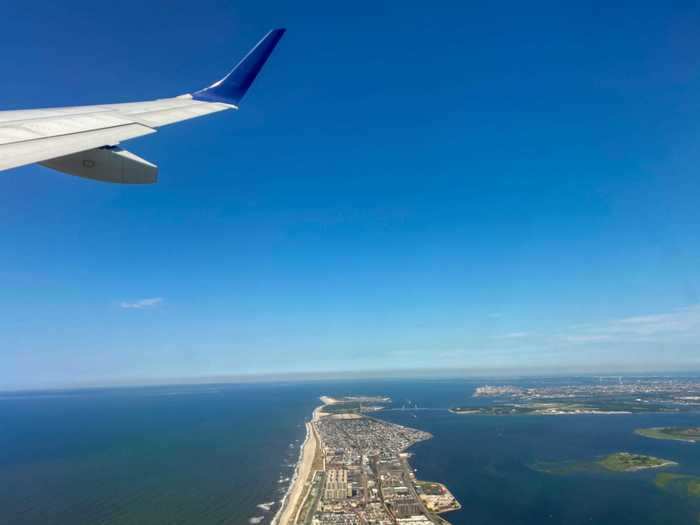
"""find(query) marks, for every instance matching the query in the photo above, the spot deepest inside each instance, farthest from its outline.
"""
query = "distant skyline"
(472, 187)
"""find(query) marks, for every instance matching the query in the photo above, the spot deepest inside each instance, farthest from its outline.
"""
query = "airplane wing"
(84, 140)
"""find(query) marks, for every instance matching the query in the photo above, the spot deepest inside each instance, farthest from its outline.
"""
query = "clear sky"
(407, 185)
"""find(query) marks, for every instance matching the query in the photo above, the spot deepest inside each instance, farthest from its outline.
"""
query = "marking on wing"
(20, 131)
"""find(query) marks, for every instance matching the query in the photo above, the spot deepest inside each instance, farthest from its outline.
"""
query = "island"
(354, 469)
(628, 462)
(681, 484)
(616, 462)
(687, 434)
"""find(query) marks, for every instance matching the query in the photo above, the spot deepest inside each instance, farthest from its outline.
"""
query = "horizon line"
(367, 374)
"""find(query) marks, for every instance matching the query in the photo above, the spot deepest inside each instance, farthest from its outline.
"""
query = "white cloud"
(592, 338)
(679, 324)
(513, 335)
(681, 321)
(142, 304)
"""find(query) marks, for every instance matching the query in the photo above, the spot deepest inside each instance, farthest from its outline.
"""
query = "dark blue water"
(204, 455)
(211, 454)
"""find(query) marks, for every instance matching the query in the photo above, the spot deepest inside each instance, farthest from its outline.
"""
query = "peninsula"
(635, 396)
(354, 469)
(687, 434)
(534, 409)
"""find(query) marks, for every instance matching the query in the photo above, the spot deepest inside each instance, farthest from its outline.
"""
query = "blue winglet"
(232, 88)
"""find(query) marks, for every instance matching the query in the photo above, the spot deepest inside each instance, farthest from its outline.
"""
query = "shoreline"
(302, 471)
(479, 412)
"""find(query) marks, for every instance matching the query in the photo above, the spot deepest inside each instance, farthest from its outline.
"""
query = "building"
(406, 506)
(337, 486)
(414, 520)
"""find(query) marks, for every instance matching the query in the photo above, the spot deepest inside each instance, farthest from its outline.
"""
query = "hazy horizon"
(352, 375)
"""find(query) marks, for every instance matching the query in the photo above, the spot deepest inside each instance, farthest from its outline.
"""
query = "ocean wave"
(287, 490)
(266, 506)
(256, 519)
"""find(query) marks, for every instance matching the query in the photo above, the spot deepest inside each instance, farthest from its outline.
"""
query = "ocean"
(223, 454)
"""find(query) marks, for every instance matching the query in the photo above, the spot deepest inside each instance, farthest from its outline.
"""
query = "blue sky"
(469, 186)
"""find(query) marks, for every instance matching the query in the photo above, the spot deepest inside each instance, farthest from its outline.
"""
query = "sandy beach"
(302, 474)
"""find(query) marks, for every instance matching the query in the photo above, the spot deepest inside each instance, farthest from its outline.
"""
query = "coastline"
(311, 460)
(303, 470)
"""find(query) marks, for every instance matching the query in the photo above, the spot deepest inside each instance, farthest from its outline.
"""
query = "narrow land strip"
(302, 475)
(354, 469)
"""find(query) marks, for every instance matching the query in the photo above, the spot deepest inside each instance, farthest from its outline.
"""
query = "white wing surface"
(83, 140)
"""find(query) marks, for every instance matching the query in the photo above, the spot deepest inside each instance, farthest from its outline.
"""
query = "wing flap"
(41, 149)
(107, 165)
